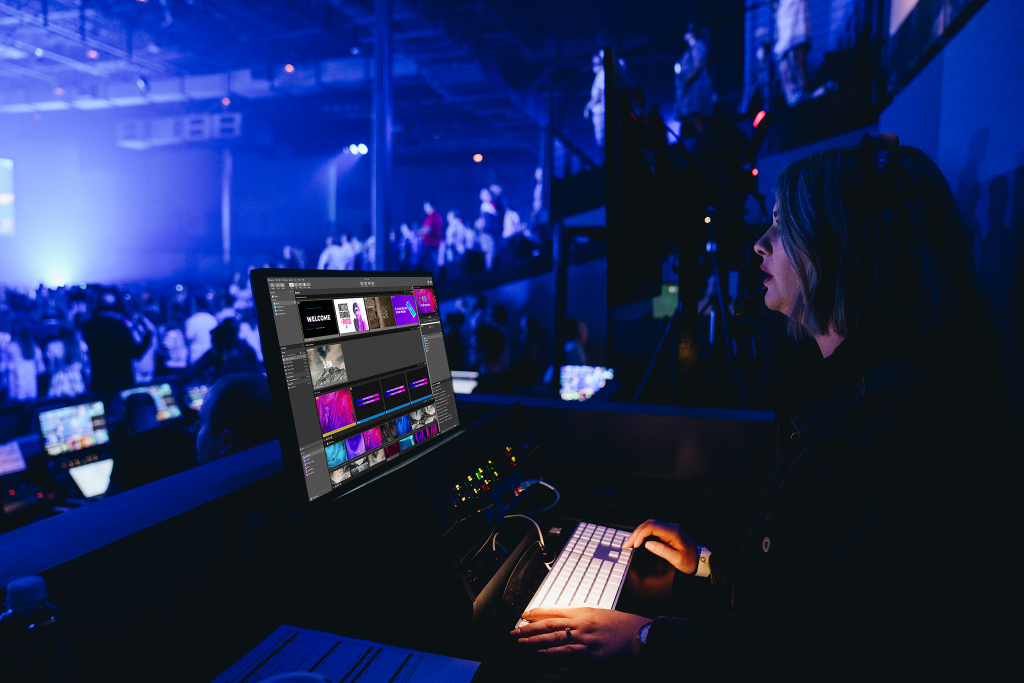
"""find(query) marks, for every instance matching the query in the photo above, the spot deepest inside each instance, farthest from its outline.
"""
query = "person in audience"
(293, 257)
(173, 352)
(526, 370)
(793, 41)
(494, 377)
(332, 257)
(198, 328)
(64, 357)
(890, 464)
(431, 235)
(236, 414)
(249, 332)
(22, 364)
(347, 253)
(112, 347)
(227, 356)
(144, 367)
(408, 246)
(454, 340)
(694, 105)
(151, 450)
(576, 334)
(458, 238)
(538, 197)
(226, 308)
(594, 110)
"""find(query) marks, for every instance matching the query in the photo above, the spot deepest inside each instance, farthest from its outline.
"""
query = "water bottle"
(33, 646)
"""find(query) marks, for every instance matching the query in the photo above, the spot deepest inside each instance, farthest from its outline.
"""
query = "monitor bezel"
(295, 481)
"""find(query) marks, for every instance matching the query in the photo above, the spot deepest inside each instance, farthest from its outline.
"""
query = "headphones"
(878, 172)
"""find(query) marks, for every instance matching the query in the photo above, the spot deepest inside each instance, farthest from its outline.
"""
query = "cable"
(536, 526)
(530, 482)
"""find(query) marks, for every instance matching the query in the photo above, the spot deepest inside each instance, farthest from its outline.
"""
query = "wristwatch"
(641, 635)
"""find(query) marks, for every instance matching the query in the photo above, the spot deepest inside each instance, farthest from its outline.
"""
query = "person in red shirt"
(433, 234)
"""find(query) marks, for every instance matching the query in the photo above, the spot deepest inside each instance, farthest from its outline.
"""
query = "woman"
(23, 364)
(882, 486)
(65, 360)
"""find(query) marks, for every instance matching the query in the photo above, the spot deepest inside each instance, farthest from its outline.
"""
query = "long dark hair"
(894, 262)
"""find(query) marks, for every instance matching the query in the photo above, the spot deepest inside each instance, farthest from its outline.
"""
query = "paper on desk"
(343, 660)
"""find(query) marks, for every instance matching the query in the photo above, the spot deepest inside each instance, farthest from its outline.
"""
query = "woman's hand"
(596, 633)
(675, 546)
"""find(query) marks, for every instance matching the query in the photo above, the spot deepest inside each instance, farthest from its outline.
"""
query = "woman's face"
(782, 281)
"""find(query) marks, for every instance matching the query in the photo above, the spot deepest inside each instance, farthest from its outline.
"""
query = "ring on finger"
(568, 634)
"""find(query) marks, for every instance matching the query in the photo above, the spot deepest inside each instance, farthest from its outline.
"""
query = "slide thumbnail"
(425, 434)
(419, 384)
(422, 417)
(389, 432)
(407, 442)
(360, 465)
(376, 457)
(335, 410)
(392, 449)
(372, 438)
(340, 474)
(425, 301)
(371, 313)
(355, 446)
(368, 399)
(405, 309)
(336, 454)
(326, 365)
(385, 311)
(317, 319)
(351, 315)
(395, 392)
(404, 425)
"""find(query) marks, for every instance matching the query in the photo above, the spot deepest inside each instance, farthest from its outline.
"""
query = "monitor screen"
(11, 459)
(194, 396)
(163, 396)
(73, 428)
(92, 478)
(580, 382)
(363, 365)
(464, 381)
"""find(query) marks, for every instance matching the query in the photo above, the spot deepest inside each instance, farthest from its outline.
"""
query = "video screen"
(425, 301)
(336, 411)
(11, 458)
(405, 309)
(326, 365)
(351, 315)
(163, 396)
(73, 428)
(93, 478)
(194, 396)
(581, 382)
(317, 319)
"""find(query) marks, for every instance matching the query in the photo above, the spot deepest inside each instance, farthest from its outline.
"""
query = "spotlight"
(58, 91)
(142, 83)
(354, 51)
(289, 68)
(225, 101)
(478, 158)
(179, 288)
(754, 172)
(363, 149)
(354, 148)
(39, 52)
(707, 219)
(678, 68)
(92, 54)
(760, 115)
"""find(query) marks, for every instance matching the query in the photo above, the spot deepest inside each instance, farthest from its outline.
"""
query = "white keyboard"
(589, 572)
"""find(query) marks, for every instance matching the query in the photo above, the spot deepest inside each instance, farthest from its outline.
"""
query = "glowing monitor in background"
(464, 382)
(580, 382)
(163, 396)
(194, 396)
(11, 459)
(6, 197)
(93, 478)
(74, 428)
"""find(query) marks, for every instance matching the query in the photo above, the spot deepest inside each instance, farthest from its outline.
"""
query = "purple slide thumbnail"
(335, 410)
(355, 446)
(405, 309)
(371, 437)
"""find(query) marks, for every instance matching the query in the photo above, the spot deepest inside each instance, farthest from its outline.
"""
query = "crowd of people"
(66, 341)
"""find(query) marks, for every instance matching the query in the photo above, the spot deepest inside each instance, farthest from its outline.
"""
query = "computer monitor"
(194, 396)
(73, 429)
(163, 396)
(580, 382)
(11, 458)
(357, 370)
(92, 479)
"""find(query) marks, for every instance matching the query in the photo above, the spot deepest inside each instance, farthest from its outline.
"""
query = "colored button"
(766, 543)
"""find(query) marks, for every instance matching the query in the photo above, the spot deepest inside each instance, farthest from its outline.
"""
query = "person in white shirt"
(23, 363)
(595, 107)
(197, 330)
(348, 253)
(332, 257)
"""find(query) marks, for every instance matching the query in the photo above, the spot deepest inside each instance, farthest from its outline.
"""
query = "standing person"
(173, 345)
(538, 197)
(65, 357)
(198, 328)
(112, 346)
(694, 105)
(23, 364)
(458, 238)
(595, 107)
(409, 246)
(432, 233)
(454, 340)
(249, 332)
(293, 257)
(793, 32)
(500, 202)
(145, 367)
(332, 257)
(347, 254)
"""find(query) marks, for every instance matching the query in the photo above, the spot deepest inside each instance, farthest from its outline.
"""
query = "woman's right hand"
(674, 546)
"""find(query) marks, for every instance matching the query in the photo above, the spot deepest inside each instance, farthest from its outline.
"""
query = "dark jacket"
(859, 553)
(111, 350)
